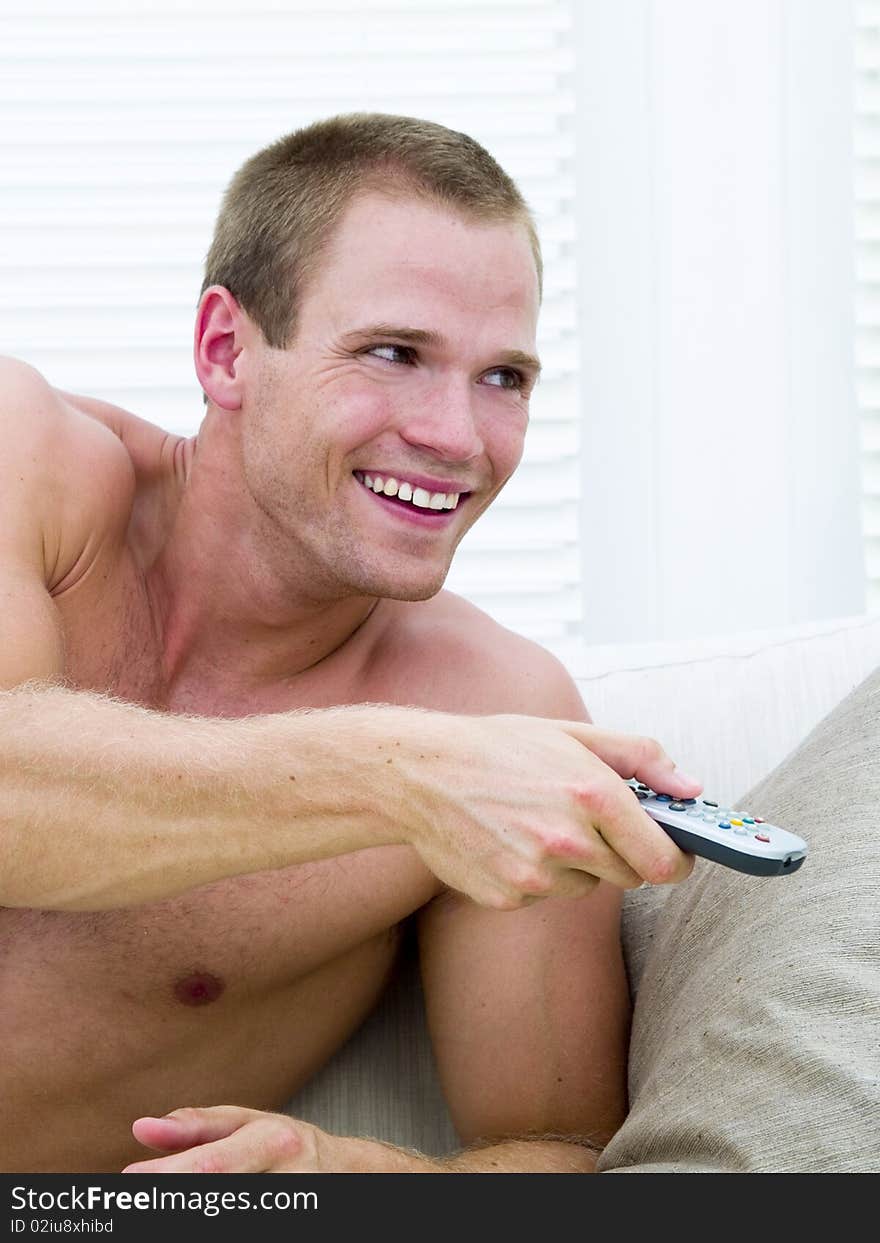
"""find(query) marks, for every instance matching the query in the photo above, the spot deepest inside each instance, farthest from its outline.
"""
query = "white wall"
(720, 439)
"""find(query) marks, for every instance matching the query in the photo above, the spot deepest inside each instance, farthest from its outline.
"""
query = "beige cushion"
(756, 1033)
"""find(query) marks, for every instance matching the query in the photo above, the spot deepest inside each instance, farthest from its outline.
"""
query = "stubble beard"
(367, 575)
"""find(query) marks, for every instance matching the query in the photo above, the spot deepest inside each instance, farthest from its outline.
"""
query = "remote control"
(738, 840)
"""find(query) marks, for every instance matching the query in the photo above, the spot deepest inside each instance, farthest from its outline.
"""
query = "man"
(205, 884)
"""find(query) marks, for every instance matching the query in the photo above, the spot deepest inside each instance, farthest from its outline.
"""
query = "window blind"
(122, 124)
(867, 233)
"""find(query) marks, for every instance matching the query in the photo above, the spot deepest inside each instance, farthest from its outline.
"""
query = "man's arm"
(223, 1139)
(107, 804)
(529, 1010)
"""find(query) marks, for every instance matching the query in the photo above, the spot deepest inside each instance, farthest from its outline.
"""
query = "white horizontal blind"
(867, 162)
(120, 126)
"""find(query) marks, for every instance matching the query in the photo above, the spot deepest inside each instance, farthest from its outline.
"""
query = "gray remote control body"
(735, 839)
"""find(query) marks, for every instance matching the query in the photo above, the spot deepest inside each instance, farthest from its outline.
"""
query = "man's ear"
(218, 341)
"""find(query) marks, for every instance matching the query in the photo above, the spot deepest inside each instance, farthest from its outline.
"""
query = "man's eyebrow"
(425, 336)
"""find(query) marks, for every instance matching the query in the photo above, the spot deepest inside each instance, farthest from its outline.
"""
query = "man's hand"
(509, 809)
(225, 1139)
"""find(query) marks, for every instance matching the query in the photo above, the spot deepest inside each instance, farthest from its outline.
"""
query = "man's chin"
(386, 587)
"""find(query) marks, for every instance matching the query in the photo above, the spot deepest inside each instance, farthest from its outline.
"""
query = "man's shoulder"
(462, 660)
(36, 416)
(66, 474)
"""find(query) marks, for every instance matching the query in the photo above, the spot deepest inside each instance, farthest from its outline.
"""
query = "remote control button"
(710, 817)
(708, 803)
(741, 832)
(758, 820)
(748, 820)
(723, 824)
(677, 807)
(642, 786)
(695, 811)
(761, 837)
(687, 800)
(640, 793)
(736, 822)
(663, 798)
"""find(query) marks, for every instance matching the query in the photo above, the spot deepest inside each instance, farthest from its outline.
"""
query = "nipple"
(198, 989)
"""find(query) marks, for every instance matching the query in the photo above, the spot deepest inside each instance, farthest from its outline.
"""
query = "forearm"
(105, 804)
(526, 1156)
(550, 1155)
(513, 1156)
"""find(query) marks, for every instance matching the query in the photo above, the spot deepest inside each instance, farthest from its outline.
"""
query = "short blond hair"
(281, 207)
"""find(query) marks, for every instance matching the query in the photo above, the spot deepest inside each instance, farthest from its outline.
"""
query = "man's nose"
(445, 423)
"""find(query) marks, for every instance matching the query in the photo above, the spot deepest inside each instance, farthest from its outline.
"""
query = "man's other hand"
(226, 1139)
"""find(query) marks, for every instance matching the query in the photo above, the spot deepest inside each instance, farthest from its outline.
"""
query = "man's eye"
(393, 353)
(507, 377)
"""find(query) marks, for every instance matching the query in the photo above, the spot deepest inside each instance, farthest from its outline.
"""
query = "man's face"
(412, 365)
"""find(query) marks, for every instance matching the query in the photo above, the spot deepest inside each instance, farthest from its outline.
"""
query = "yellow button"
(739, 822)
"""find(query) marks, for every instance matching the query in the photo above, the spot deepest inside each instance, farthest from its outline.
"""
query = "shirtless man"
(204, 885)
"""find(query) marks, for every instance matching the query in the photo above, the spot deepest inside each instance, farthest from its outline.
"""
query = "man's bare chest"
(255, 933)
(229, 943)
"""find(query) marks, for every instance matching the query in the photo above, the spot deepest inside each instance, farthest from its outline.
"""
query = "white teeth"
(406, 492)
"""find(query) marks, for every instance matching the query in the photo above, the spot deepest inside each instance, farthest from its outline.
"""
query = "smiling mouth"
(407, 495)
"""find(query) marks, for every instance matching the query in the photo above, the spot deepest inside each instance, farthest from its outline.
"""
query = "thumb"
(185, 1128)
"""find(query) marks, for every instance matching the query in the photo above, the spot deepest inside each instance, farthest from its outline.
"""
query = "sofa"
(731, 710)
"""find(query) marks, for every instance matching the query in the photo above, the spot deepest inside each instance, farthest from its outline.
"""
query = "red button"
(757, 820)
(761, 837)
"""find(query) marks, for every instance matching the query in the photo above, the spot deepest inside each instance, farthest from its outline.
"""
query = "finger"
(635, 756)
(258, 1147)
(567, 883)
(184, 1128)
(623, 844)
(618, 854)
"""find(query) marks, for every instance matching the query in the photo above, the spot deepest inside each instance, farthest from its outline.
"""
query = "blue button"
(723, 824)
(664, 798)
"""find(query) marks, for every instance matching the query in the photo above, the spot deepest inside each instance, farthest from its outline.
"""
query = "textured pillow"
(756, 1030)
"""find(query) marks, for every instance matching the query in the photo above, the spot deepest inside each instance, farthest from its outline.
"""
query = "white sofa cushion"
(728, 709)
